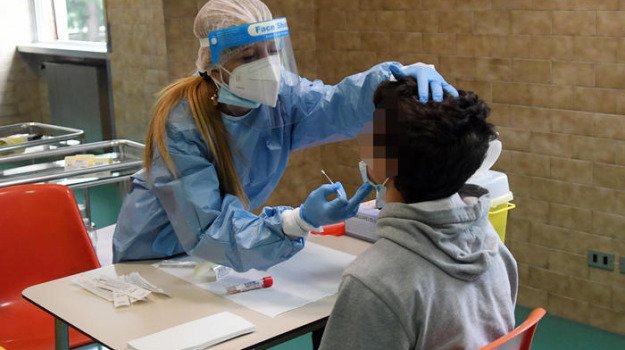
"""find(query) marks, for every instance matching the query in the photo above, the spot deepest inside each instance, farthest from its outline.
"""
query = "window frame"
(43, 15)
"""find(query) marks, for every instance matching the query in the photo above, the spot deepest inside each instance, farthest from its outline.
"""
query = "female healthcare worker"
(218, 144)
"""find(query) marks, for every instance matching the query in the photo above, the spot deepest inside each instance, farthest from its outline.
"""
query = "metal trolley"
(126, 157)
(43, 137)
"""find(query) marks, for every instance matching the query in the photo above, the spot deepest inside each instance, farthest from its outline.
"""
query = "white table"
(113, 328)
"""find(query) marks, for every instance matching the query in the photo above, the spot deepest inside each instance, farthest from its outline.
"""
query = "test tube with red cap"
(264, 282)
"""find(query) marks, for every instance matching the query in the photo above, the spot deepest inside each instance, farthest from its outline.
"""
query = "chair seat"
(43, 237)
(26, 327)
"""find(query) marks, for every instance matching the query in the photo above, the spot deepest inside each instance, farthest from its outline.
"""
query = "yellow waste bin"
(497, 185)
(498, 216)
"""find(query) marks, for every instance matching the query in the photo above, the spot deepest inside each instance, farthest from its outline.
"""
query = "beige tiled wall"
(139, 62)
(182, 46)
(19, 84)
(303, 173)
(553, 72)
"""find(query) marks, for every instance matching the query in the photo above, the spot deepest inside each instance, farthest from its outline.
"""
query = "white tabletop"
(115, 327)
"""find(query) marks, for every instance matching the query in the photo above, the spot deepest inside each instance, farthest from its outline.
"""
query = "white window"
(69, 21)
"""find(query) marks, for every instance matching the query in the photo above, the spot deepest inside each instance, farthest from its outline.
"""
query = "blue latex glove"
(427, 79)
(318, 211)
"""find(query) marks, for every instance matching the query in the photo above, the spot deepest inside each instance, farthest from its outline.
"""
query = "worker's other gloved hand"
(427, 79)
(318, 211)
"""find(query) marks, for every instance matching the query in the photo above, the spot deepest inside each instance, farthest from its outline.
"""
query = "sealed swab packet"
(210, 271)
(89, 284)
(120, 299)
(204, 270)
(121, 290)
(121, 286)
(138, 280)
(177, 263)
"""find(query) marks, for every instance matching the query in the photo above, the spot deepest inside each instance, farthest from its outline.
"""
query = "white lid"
(497, 201)
(494, 181)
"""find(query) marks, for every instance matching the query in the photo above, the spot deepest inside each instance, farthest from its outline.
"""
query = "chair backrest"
(521, 337)
(42, 237)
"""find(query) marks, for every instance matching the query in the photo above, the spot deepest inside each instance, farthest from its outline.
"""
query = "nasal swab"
(327, 177)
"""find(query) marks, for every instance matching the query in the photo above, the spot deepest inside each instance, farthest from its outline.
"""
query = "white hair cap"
(218, 14)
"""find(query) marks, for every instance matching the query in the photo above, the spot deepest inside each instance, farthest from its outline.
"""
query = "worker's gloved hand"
(427, 79)
(318, 211)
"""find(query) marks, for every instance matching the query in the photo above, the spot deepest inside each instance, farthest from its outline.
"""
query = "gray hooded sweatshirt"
(438, 278)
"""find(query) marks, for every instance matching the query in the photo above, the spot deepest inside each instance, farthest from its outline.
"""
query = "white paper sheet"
(310, 275)
(198, 334)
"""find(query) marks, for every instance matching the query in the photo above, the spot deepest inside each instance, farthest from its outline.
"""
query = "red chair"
(42, 238)
(521, 337)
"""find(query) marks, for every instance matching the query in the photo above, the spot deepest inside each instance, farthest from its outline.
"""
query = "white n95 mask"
(257, 81)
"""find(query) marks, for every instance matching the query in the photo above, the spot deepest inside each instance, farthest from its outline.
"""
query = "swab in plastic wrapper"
(211, 271)
(177, 263)
(202, 270)
(136, 279)
(115, 285)
(88, 284)
(122, 291)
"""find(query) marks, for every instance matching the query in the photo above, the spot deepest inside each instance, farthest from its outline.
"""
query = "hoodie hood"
(451, 235)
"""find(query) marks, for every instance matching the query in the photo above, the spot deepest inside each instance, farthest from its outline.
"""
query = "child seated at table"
(439, 277)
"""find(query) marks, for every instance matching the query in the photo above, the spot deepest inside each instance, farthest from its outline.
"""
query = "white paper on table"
(312, 274)
(198, 334)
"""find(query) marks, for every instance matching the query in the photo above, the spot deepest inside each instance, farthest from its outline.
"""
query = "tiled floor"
(554, 333)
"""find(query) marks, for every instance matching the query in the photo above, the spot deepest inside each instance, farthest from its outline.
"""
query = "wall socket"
(602, 260)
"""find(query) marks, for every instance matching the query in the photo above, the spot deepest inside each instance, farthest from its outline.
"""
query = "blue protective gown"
(168, 216)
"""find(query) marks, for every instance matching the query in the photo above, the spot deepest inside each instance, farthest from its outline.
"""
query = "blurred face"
(248, 54)
(373, 150)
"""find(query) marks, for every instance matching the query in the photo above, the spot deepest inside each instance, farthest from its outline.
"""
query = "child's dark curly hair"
(438, 145)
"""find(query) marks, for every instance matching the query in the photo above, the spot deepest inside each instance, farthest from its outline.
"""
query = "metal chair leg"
(61, 335)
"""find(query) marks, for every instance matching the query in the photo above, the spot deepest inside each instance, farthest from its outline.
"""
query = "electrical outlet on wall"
(602, 260)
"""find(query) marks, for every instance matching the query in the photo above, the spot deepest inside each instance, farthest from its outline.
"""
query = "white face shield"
(260, 58)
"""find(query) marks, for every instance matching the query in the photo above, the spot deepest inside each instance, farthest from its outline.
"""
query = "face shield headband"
(221, 40)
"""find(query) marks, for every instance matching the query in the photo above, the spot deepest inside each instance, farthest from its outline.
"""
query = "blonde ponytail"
(200, 95)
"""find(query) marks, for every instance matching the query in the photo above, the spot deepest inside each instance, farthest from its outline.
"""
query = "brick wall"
(182, 46)
(303, 173)
(19, 84)
(553, 72)
(138, 61)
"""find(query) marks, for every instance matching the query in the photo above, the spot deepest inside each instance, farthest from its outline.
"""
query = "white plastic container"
(364, 224)
(497, 185)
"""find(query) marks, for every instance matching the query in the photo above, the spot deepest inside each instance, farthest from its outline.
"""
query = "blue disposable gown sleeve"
(210, 225)
(328, 113)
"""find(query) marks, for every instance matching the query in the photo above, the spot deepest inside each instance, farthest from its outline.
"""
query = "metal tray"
(49, 166)
(50, 135)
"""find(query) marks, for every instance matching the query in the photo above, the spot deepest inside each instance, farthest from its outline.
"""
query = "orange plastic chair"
(42, 238)
(521, 337)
